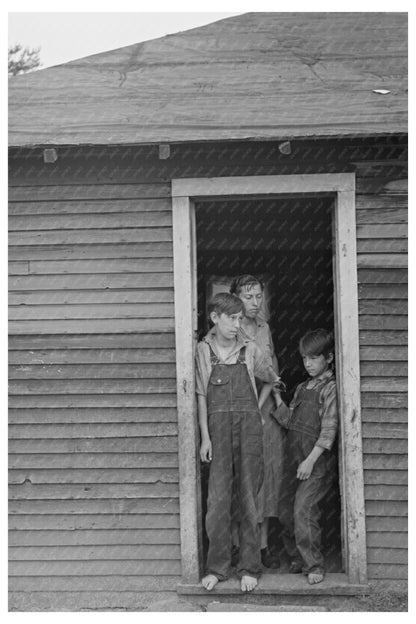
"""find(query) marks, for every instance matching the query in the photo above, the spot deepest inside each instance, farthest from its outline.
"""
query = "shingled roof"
(254, 76)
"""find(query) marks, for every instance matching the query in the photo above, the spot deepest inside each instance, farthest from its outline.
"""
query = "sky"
(66, 36)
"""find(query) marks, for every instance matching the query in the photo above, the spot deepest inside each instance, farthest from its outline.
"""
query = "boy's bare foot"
(209, 581)
(315, 577)
(248, 583)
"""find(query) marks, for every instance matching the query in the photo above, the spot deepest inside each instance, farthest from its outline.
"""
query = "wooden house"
(273, 143)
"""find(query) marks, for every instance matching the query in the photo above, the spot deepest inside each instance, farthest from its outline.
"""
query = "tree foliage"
(22, 59)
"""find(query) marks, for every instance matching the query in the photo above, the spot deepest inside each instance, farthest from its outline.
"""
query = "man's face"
(227, 326)
(252, 298)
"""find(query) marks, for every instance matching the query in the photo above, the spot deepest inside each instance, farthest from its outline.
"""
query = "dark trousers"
(300, 516)
(236, 473)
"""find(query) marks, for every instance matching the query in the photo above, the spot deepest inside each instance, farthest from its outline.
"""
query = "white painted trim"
(342, 186)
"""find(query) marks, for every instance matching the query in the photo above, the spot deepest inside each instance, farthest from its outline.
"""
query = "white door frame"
(342, 187)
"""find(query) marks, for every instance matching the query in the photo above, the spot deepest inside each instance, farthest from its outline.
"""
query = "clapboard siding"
(93, 425)
(94, 477)
(382, 277)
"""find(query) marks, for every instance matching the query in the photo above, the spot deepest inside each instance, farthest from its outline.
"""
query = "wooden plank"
(125, 265)
(382, 276)
(91, 311)
(111, 506)
(384, 400)
(93, 461)
(383, 306)
(384, 415)
(376, 525)
(166, 444)
(98, 568)
(383, 571)
(385, 462)
(92, 236)
(62, 222)
(387, 555)
(382, 291)
(383, 321)
(107, 341)
(385, 477)
(376, 384)
(383, 337)
(114, 357)
(98, 401)
(95, 415)
(91, 281)
(383, 369)
(396, 230)
(86, 207)
(386, 508)
(18, 268)
(85, 431)
(395, 446)
(381, 215)
(382, 245)
(381, 202)
(385, 492)
(92, 386)
(109, 537)
(386, 539)
(94, 524)
(88, 191)
(91, 553)
(88, 326)
(58, 590)
(92, 475)
(384, 261)
(93, 371)
(385, 430)
(388, 353)
(80, 252)
(82, 297)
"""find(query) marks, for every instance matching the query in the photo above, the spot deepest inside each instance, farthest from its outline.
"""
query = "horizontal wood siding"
(382, 278)
(93, 467)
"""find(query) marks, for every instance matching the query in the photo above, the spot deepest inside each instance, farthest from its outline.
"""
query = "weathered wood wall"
(93, 447)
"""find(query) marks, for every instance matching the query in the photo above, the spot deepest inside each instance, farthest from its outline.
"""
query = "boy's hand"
(205, 452)
(305, 469)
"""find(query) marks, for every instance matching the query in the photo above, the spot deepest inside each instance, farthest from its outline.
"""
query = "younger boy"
(309, 469)
(231, 438)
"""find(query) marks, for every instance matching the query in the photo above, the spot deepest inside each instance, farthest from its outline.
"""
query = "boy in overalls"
(231, 438)
(310, 467)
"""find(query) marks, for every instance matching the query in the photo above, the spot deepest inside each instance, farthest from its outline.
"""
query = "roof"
(254, 76)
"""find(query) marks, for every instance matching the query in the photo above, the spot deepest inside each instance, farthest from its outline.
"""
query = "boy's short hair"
(317, 342)
(225, 303)
(243, 281)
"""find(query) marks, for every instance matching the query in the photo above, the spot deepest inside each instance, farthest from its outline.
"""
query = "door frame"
(341, 186)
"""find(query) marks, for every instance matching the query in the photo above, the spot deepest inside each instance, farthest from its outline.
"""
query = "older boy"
(312, 421)
(231, 438)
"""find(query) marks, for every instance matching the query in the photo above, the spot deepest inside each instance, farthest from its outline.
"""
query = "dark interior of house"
(287, 243)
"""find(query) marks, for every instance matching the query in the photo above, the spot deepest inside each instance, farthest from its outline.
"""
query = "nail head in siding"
(164, 151)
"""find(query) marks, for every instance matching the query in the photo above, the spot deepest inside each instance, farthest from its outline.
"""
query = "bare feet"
(315, 577)
(209, 581)
(248, 583)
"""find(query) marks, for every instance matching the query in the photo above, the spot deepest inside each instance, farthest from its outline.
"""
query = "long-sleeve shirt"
(328, 408)
(258, 364)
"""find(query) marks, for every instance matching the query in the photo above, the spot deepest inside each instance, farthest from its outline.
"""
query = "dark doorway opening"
(288, 243)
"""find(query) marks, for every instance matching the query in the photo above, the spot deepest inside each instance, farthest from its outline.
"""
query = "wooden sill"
(283, 584)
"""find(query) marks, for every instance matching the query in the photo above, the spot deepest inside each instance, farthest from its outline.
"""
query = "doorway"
(287, 243)
(327, 192)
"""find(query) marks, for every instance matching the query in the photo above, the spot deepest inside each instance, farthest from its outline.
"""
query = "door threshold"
(283, 584)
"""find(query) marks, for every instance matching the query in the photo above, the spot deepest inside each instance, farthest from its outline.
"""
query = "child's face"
(252, 297)
(316, 365)
(227, 326)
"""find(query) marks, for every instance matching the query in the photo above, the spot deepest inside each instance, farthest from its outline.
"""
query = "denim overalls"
(300, 510)
(236, 470)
